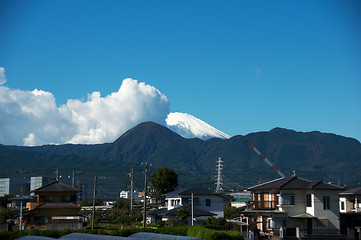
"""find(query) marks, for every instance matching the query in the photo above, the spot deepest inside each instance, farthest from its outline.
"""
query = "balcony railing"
(263, 204)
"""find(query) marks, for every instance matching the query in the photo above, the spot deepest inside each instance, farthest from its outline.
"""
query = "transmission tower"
(219, 181)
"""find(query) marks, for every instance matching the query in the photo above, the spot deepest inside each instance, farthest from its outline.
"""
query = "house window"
(67, 198)
(208, 202)
(40, 220)
(288, 199)
(196, 202)
(47, 198)
(326, 202)
(308, 200)
(342, 205)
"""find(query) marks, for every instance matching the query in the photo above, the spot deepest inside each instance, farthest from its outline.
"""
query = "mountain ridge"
(312, 155)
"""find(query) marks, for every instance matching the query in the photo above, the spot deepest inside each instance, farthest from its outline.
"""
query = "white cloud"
(30, 140)
(31, 112)
(33, 118)
(2, 76)
(104, 119)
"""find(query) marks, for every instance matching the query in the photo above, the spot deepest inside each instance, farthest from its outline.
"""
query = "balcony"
(264, 205)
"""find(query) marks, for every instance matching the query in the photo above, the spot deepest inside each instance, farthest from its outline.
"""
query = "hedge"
(210, 234)
(192, 231)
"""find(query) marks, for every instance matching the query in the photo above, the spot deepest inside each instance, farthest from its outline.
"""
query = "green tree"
(4, 200)
(98, 202)
(122, 203)
(6, 213)
(121, 213)
(182, 214)
(231, 212)
(164, 180)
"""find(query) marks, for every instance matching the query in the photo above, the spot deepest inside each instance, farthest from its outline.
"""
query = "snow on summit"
(189, 126)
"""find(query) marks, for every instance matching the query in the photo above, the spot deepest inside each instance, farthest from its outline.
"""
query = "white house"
(126, 194)
(203, 204)
(350, 200)
(350, 213)
(203, 200)
(294, 206)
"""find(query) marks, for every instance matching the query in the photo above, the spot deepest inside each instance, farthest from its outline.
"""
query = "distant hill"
(312, 155)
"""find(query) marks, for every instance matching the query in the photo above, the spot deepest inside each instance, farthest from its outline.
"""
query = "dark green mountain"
(313, 155)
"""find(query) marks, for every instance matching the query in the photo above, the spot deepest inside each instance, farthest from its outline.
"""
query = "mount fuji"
(189, 126)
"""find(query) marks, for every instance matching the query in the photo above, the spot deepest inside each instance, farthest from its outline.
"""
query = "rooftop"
(295, 183)
(56, 186)
(189, 191)
(355, 191)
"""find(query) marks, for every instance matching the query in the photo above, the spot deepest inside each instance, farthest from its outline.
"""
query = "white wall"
(216, 206)
(316, 209)
(173, 202)
(331, 214)
(217, 203)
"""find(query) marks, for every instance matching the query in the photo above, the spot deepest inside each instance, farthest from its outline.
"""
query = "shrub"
(196, 231)
(210, 234)
(9, 235)
(178, 230)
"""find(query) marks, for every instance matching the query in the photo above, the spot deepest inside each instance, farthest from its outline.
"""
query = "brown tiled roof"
(58, 205)
(295, 183)
(56, 186)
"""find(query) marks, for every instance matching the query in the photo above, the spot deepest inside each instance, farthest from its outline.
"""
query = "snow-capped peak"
(189, 126)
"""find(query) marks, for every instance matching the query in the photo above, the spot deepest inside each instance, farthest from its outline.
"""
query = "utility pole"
(94, 194)
(192, 209)
(146, 165)
(21, 215)
(73, 181)
(131, 188)
(57, 174)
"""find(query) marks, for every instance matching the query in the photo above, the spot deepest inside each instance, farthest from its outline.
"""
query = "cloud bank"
(33, 118)
(2, 76)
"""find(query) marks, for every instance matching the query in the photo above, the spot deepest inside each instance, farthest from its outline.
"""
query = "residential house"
(126, 194)
(54, 207)
(293, 206)
(203, 204)
(350, 213)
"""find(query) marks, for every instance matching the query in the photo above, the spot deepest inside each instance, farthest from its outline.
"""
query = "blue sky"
(241, 66)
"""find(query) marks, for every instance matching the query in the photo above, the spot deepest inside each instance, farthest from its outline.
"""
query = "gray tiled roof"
(189, 191)
(356, 191)
(294, 183)
(56, 187)
(57, 205)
